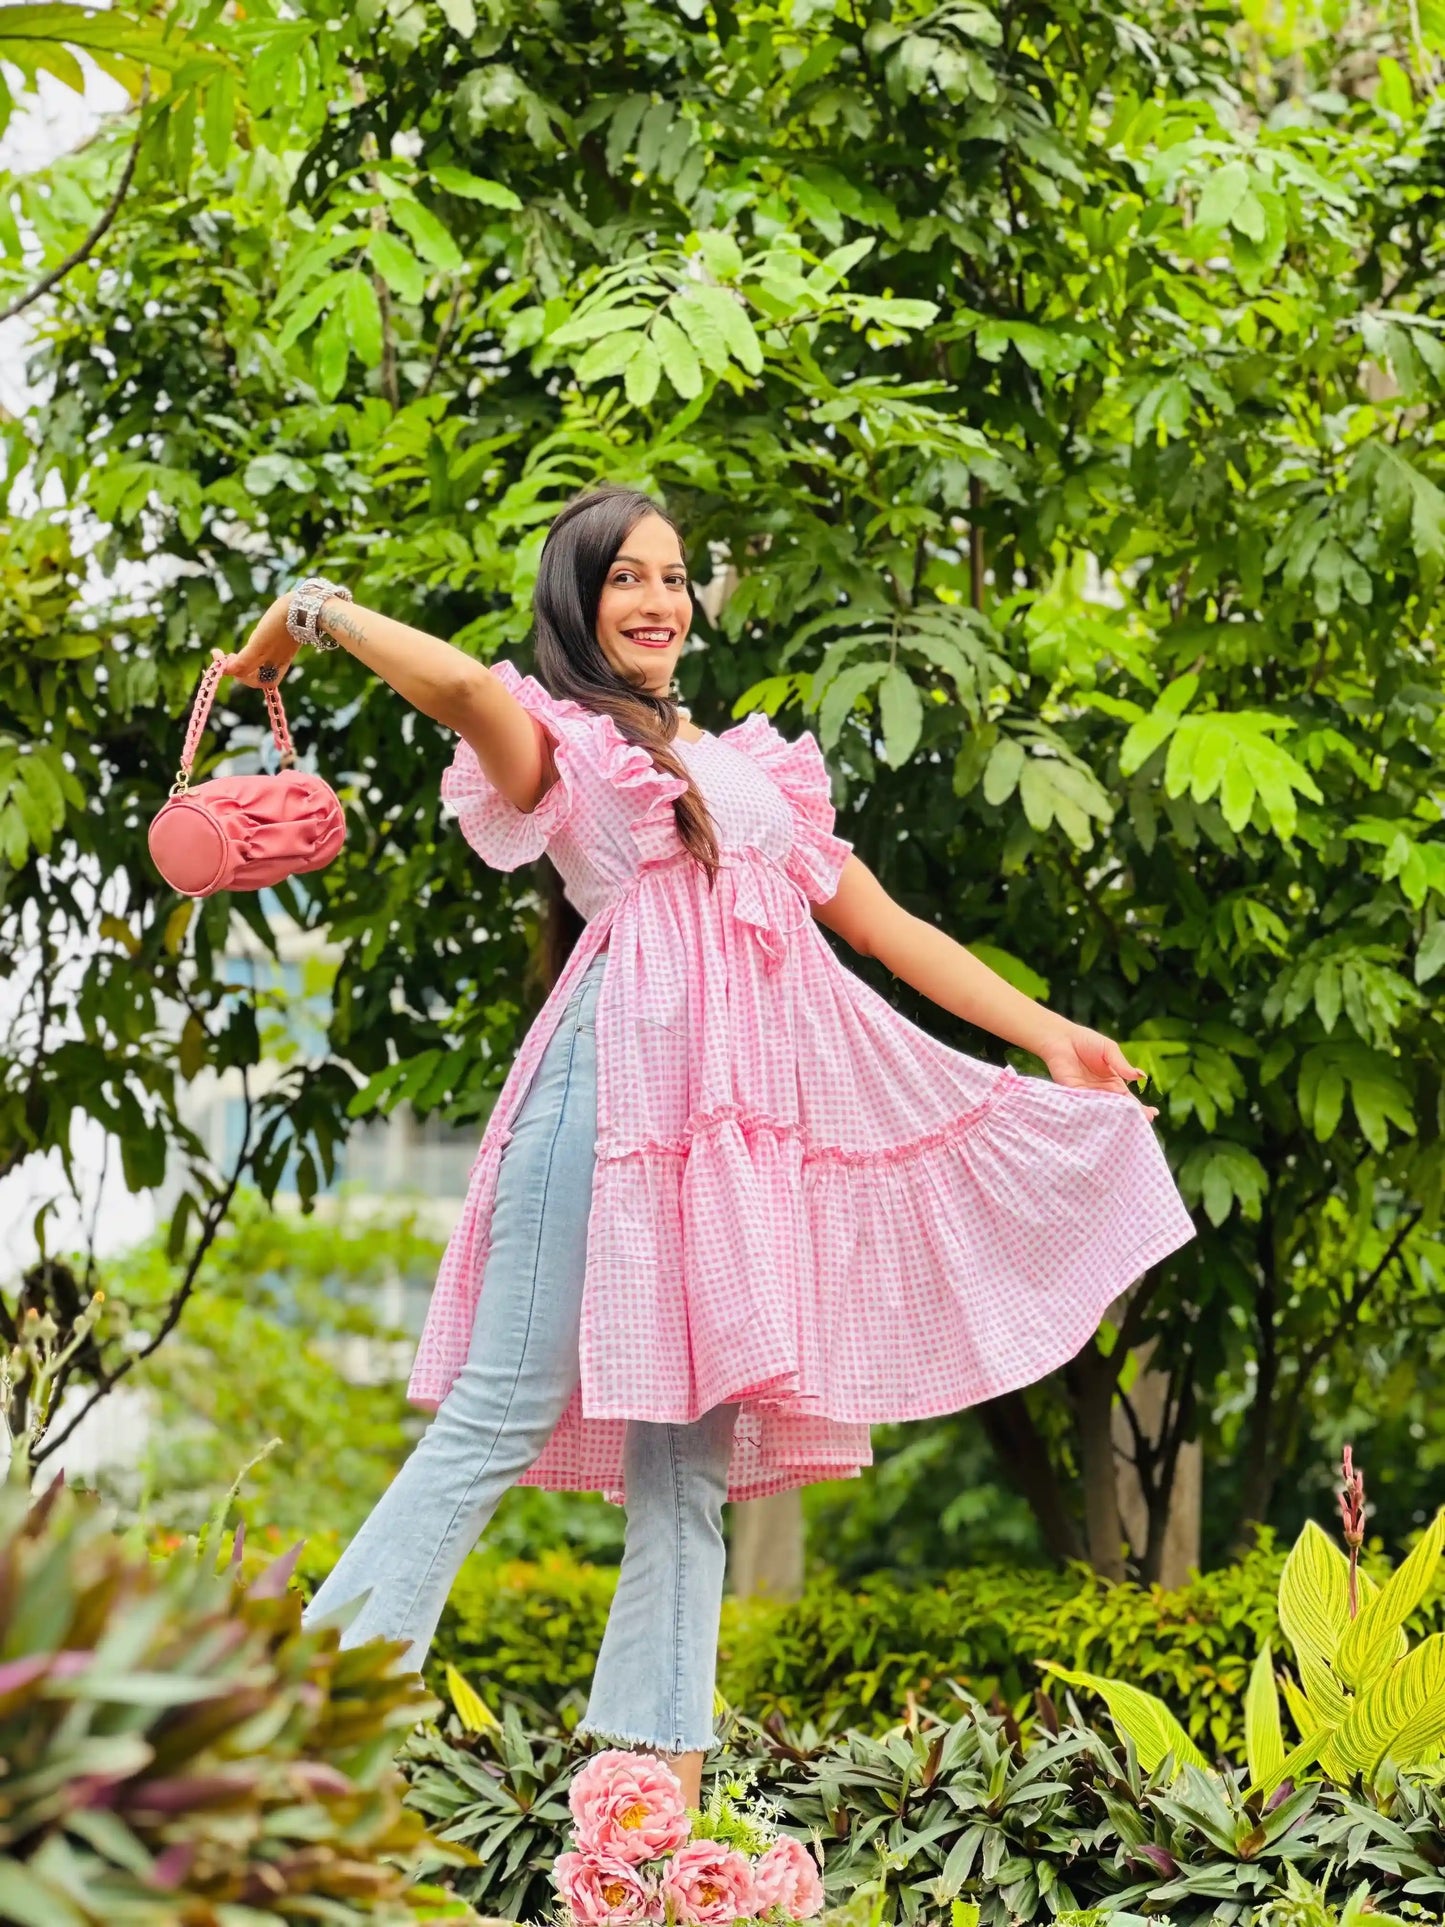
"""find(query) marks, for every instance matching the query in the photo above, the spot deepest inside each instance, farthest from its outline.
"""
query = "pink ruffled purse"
(243, 832)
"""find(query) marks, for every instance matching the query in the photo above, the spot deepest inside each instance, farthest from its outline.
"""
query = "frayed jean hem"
(710, 1745)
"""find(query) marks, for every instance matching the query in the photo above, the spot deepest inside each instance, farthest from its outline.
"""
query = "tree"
(1055, 389)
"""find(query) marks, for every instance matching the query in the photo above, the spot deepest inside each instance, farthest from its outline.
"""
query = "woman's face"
(645, 608)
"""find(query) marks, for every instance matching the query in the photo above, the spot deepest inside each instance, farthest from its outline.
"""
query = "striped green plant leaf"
(1375, 1638)
(1311, 1721)
(1263, 1736)
(1314, 1605)
(472, 1710)
(1139, 1717)
(1402, 1714)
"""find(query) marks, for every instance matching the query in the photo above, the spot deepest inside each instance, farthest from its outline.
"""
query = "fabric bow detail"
(770, 924)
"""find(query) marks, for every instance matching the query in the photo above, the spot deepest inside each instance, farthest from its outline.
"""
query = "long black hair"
(582, 544)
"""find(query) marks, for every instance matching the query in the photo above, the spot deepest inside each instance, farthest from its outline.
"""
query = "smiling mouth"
(650, 638)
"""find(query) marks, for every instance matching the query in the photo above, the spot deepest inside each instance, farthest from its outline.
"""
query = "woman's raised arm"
(437, 678)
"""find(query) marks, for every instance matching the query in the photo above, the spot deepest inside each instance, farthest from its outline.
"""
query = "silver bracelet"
(304, 608)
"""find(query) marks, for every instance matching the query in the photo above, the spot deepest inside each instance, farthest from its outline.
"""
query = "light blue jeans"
(655, 1674)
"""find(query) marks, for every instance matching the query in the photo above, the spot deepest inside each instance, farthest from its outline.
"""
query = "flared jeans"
(654, 1680)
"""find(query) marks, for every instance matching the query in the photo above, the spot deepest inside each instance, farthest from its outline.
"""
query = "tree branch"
(211, 1224)
(102, 226)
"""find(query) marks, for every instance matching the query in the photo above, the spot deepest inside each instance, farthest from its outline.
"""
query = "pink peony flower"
(598, 1889)
(709, 1885)
(628, 1806)
(787, 1876)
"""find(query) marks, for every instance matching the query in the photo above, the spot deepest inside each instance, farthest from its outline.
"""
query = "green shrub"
(951, 1815)
(525, 1630)
(177, 1750)
(1366, 1703)
(852, 1658)
(529, 1632)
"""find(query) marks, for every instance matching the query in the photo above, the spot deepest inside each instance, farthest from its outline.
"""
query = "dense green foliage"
(1055, 390)
(254, 1368)
(946, 1809)
(176, 1750)
(527, 1632)
(1366, 1703)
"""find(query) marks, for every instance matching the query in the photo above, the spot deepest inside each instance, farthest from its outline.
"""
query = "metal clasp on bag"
(182, 782)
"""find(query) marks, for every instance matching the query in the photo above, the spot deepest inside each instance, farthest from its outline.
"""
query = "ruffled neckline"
(629, 766)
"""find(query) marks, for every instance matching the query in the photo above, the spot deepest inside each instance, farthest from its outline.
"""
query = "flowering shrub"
(640, 1853)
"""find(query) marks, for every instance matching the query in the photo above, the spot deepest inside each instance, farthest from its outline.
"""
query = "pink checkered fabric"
(802, 1201)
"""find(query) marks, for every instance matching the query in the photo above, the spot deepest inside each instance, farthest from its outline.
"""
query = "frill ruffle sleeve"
(501, 834)
(816, 859)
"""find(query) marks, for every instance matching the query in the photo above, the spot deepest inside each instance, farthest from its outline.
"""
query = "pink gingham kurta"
(801, 1201)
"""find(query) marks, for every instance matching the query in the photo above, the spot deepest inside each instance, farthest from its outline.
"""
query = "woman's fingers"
(1118, 1063)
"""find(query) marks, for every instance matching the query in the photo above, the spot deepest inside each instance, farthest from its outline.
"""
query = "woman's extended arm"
(437, 678)
(866, 917)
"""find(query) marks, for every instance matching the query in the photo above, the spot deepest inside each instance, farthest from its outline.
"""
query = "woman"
(731, 1208)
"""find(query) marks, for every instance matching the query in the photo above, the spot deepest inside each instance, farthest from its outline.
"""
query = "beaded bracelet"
(305, 606)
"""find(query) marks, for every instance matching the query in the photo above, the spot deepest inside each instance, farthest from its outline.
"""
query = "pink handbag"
(243, 832)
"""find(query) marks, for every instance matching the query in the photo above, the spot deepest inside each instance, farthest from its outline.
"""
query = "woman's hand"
(269, 642)
(1086, 1060)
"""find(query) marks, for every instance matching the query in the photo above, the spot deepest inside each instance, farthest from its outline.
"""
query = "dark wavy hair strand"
(582, 542)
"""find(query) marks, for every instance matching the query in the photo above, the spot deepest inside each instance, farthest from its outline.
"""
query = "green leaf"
(472, 1710)
(29, 1902)
(901, 714)
(1430, 957)
(331, 353)
(1249, 217)
(841, 695)
(1393, 91)
(732, 322)
(193, 1047)
(329, 289)
(1224, 189)
(644, 369)
(1140, 1717)
(1223, 1175)
(1402, 1715)
(431, 238)
(474, 187)
(1145, 736)
(894, 313)
(608, 357)
(617, 316)
(1314, 1605)
(703, 330)
(461, 17)
(1012, 969)
(1263, 1735)
(1375, 1638)
(721, 253)
(363, 318)
(398, 267)
(1005, 767)
(679, 362)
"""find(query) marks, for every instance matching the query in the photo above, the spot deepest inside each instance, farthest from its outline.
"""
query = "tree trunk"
(1166, 1546)
(765, 1546)
(1260, 1466)
(1024, 1460)
(1092, 1378)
